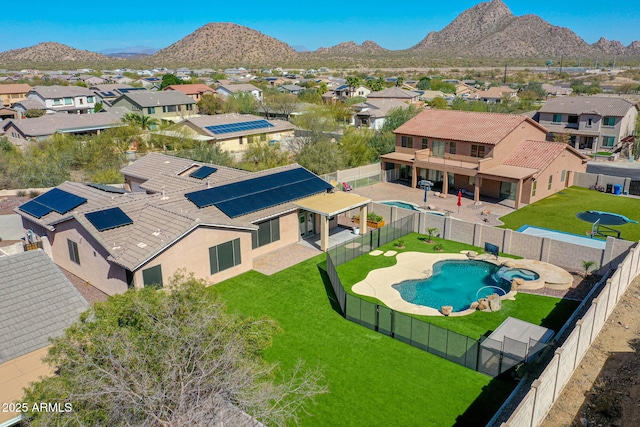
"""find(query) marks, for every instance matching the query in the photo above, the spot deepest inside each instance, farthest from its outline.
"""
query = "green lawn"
(373, 379)
(540, 310)
(559, 210)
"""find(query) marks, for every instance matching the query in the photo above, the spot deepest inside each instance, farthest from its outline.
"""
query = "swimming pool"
(410, 206)
(458, 283)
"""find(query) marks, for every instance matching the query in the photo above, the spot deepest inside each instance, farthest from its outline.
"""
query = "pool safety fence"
(490, 358)
(361, 176)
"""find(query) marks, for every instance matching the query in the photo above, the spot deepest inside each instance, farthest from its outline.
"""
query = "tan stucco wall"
(192, 253)
(566, 161)
(490, 188)
(233, 145)
(17, 374)
(289, 233)
(110, 278)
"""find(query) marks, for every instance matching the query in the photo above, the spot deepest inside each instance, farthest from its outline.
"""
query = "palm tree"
(141, 121)
(587, 266)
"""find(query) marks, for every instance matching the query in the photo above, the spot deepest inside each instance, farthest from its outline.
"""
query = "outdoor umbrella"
(459, 200)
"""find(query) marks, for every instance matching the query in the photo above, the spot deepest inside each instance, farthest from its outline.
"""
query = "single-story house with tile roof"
(498, 156)
(195, 91)
(171, 106)
(208, 220)
(12, 93)
(8, 113)
(497, 94)
(232, 89)
(20, 131)
(395, 93)
(38, 302)
(232, 132)
(372, 113)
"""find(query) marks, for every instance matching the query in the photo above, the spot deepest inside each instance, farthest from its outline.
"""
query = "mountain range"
(487, 30)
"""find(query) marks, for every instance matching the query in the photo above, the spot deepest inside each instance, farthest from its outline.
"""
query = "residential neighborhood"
(244, 232)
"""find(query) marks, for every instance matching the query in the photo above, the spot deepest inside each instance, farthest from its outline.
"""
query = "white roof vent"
(141, 245)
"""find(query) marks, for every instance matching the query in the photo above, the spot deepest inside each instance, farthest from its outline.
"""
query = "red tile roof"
(487, 128)
(536, 154)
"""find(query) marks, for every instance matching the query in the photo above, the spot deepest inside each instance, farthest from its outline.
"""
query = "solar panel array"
(241, 198)
(108, 218)
(108, 188)
(202, 172)
(53, 200)
(239, 127)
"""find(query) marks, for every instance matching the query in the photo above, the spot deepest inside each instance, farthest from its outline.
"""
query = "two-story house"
(12, 93)
(499, 156)
(590, 123)
(195, 91)
(171, 105)
(233, 89)
(372, 113)
(56, 99)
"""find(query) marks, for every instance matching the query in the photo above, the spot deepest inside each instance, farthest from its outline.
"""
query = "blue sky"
(311, 24)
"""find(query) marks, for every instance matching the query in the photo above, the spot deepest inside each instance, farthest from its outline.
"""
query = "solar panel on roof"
(238, 127)
(108, 188)
(202, 172)
(240, 198)
(60, 200)
(34, 208)
(108, 219)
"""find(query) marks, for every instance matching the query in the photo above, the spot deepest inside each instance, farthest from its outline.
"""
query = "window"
(550, 182)
(425, 143)
(151, 110)
(73, 251)
(90, 99)
(268, 232)
(563, 176)
(608, 141)
(224, 256)
(472, 180)
(534, 187)
(81, 101)
(477, 151)
(263, 137)
(589, 122)
(171, 108)
(452, 147)
(57, 101)
(68, 101)
(557, 118)
(572, 120)
(407, 141)
(189, 107)
(152, 276)
(609, 121)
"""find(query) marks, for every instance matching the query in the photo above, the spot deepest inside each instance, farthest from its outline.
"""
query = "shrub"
(21, 193)
(33, 194)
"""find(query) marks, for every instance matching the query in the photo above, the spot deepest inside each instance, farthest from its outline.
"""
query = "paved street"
(622, 168)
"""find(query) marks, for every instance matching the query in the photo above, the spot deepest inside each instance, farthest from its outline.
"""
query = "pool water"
(403, 205)
(455, 282)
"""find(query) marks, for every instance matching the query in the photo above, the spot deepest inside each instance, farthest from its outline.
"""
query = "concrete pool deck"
(418, 265)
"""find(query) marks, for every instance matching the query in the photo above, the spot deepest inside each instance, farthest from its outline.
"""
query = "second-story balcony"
(427, 157)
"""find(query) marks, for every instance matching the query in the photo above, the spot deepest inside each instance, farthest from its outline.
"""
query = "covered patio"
(328, 206)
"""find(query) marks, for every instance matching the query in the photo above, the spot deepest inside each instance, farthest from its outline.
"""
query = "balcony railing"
(457, 160)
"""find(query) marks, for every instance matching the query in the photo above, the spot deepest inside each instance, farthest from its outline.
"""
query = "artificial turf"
(374, 380)
(559, 210)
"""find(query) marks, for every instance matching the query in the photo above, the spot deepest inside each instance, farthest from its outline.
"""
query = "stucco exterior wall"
(191, 253)
(94, 267)
(289, 233)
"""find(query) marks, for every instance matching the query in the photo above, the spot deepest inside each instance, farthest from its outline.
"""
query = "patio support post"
(445, 183)
(363, 219)
(476, 189)
(518, 193)
(414, 176)
(324, 233)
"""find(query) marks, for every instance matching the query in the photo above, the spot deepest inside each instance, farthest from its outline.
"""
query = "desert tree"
(176, 358)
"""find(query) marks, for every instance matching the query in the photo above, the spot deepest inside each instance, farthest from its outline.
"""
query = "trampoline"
(606, 218)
